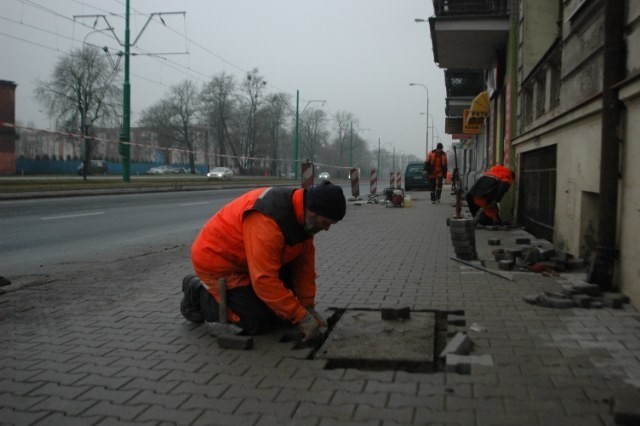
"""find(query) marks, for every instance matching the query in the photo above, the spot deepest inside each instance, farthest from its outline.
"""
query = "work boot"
(190, 303)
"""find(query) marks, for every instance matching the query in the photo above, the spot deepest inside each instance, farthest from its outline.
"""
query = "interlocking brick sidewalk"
(113, 349)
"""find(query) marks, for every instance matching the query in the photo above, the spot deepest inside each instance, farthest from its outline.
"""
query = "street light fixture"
(427, 90)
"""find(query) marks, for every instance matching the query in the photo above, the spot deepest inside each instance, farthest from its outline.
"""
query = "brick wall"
(7, 134)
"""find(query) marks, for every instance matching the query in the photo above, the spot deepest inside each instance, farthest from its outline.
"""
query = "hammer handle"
(222, 292)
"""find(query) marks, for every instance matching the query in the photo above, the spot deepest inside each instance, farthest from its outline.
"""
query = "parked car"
(164, 170)
(415, 178)
(98, 167)
(324, 176)
(222, 173)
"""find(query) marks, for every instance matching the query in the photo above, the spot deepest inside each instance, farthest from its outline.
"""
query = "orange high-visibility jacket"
(437, 163)
(250, 239)
(493, 184)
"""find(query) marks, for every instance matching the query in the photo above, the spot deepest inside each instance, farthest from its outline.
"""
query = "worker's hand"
(310, 328)
(317, 316)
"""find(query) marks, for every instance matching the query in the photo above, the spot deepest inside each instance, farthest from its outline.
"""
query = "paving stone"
(162, 414)
(460, 344)
(121, 412)
(65, 406)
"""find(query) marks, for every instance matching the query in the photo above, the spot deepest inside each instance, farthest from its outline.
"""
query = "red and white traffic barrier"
(373, 182)
(392, 180)
(354, 175)
(399, 179)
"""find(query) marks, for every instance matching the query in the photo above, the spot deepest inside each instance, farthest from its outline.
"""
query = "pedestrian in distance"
(486, 193)
(436, 167)
(262, 245)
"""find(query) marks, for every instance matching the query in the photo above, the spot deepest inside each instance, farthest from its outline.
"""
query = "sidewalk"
(113, 349)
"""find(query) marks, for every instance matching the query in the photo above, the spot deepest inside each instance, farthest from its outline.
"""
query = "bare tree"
(218, 104)
(252, 87)
(313, 130)
(277, 109)
(184, 103)
(173, 119)
(343, 122)
(157, 119)
(83, 92)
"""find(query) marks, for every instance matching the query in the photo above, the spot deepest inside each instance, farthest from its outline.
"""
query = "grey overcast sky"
(357, 55)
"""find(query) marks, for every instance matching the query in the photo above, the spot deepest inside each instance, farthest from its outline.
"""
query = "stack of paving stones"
(463, 237)
(580, 295)
(538, 257)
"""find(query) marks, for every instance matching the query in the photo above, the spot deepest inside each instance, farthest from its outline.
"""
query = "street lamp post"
(427, 131)
(427, 90)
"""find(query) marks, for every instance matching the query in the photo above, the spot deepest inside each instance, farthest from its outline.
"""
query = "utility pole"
(124, 146)
(125, 134)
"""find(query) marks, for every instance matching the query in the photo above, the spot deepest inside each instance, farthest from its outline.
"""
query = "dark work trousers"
(436, 188)
(473, 207)
(255, 316)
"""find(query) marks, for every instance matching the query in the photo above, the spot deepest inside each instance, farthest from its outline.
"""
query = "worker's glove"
(317, 316)
(310, 328)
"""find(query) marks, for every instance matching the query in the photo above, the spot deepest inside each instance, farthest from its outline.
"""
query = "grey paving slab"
(114, 350)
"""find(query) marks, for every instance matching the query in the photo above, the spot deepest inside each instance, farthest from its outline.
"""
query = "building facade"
(563, 82)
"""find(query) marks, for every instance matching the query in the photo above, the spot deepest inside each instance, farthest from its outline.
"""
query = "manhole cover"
(362, 339)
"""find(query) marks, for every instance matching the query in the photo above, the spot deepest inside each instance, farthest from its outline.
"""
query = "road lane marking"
(193, 204)
(70, 216)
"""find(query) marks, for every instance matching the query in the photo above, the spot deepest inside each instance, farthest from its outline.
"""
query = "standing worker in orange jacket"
(487, 192)
(436, 167)
(262, 245)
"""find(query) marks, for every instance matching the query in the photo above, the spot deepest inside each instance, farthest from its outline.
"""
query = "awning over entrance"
(479, 109)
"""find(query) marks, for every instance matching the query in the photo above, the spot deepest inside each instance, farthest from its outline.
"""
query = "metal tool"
(223, 327)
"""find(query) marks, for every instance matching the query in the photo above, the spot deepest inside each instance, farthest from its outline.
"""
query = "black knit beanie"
(326, 200)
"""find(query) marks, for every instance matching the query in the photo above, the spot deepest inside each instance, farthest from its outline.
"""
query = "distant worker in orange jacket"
(262, 245)
(436, 167)
(487, 192)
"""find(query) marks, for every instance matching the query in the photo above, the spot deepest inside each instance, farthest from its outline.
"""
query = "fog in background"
(357, 55)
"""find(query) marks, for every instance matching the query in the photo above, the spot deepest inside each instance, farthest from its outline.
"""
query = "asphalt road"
(41, 236)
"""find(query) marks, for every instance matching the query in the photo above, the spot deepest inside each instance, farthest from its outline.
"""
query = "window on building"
(527, 106)
(541, 98)
(554, 85)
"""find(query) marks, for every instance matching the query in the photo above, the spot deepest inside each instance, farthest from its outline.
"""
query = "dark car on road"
(98, 167)
(414, 177)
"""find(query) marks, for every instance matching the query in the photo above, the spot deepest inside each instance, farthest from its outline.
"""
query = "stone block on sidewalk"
(581, 300)
(462, 364)
(460, 344)
(625, 407)
(613, 300)
(546, 253)
(505, 265)
(586, 288)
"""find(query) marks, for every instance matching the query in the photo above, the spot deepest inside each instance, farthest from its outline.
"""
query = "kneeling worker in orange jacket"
(262, 245)
(487, 192)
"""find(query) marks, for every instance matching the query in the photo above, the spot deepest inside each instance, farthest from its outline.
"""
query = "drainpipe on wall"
(601, 270)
